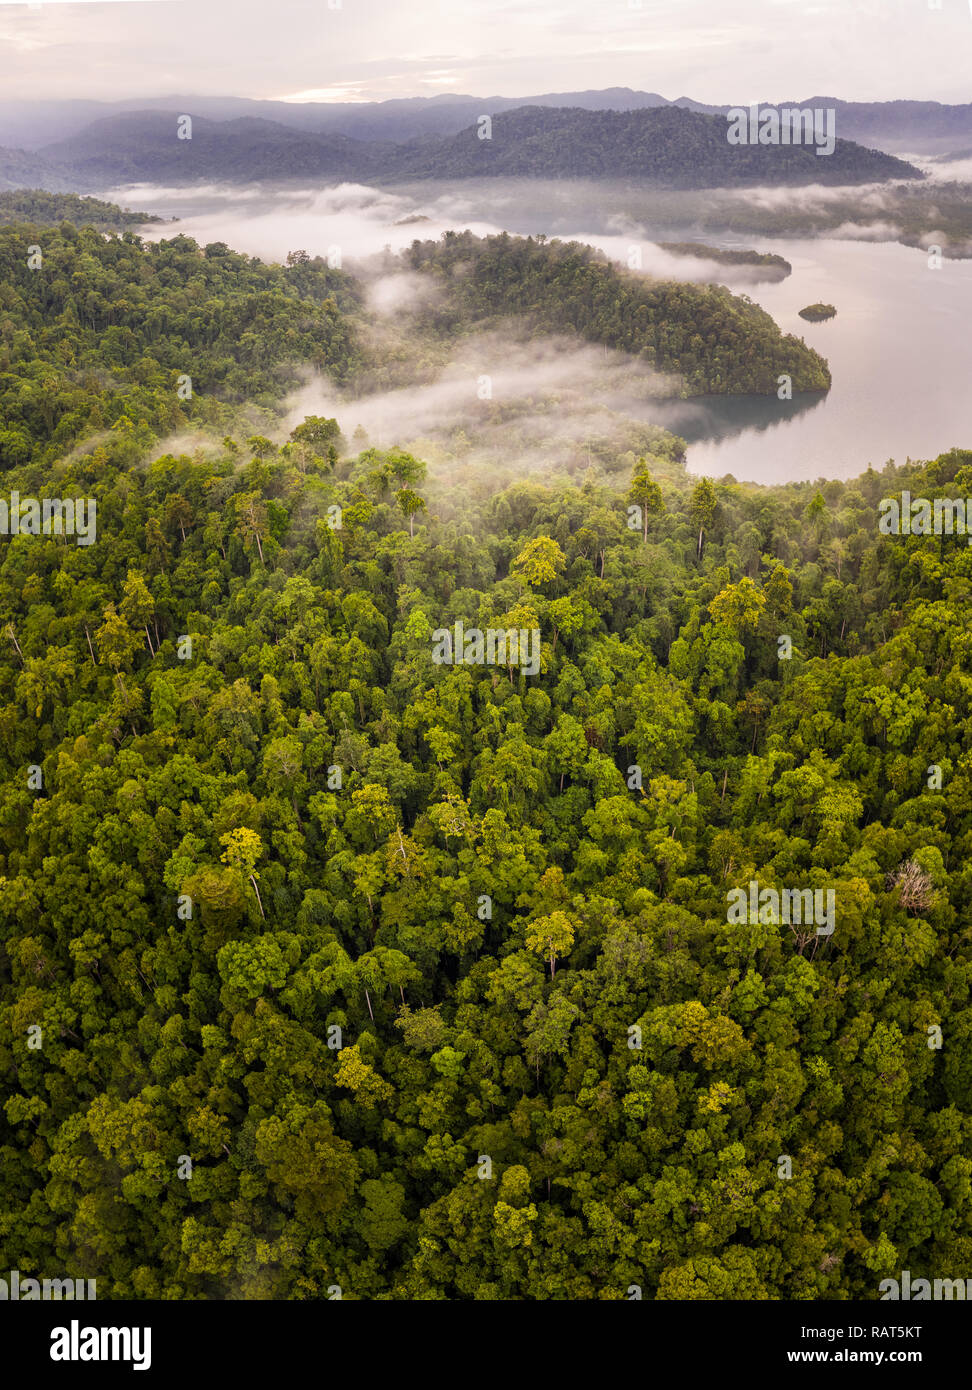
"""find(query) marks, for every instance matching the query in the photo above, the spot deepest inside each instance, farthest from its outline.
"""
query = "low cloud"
(354, 220)
(504, 406)
(401, 292)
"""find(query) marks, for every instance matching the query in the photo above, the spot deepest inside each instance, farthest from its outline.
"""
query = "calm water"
(897, 348)
(898, 352)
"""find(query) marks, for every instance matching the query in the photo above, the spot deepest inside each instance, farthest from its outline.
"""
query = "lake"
(898, 354)
(897, 348)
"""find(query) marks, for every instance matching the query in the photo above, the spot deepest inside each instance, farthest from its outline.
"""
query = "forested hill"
(367, 939)
(766, 263)
(45, 209)
(717, 341)
(144, 146)
(104, 328)
(889, 125)
(665, 145)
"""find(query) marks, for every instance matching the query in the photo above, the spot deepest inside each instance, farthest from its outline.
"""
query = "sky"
(720, 51)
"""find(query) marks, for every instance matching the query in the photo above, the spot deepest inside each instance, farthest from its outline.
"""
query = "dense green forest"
(716, 341)
(322, 962)
(49, 209)
(105, 332)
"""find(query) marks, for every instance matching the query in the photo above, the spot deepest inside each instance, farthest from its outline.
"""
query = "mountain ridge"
(899, 124)
(667, 145)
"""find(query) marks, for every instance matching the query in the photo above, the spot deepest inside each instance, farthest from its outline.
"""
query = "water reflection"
(710, 418)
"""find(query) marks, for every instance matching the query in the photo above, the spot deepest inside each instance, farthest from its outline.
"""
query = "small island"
(771, 266)
(816, 313)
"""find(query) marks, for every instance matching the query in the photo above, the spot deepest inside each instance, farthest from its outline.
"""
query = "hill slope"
(145, 146)
(671, 146)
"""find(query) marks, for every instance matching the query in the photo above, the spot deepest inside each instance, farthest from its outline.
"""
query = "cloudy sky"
(713, 50)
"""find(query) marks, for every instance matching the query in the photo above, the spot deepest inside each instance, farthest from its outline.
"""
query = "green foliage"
(717, 342)
(337, 993)
(776, 267)
(99, 339)
(43, 209)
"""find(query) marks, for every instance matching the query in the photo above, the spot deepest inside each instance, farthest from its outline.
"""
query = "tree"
(739, 606)
(914, 885)
(116, 642)
(252, 520)
(539, 562)
(409, 503)
(138, 606)
(702, 508)
(779, 592)
(646, 494)
(178, 513)
(317, 434)
(551, 936)
(243, 847)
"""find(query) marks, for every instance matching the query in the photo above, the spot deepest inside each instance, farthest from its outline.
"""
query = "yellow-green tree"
(645, 493)
(550, 937)
(739, 606)
(243, 847)
(540, 561)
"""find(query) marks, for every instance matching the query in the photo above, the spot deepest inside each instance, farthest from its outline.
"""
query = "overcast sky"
(713, 50)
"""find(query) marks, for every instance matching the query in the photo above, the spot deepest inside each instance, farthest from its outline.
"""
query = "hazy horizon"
(377, 50)
(304, 100)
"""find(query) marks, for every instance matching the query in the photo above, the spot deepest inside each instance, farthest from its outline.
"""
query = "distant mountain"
(663, 144)
(32, 125)
(920, 126)
(145, 147)
(667, 145)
